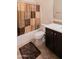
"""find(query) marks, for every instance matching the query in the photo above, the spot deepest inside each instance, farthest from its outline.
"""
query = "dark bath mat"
(29, 51)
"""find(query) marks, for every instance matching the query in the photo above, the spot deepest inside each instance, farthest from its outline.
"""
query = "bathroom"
(38, 22)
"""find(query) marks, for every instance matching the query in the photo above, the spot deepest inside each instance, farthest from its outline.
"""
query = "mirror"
(57, 11)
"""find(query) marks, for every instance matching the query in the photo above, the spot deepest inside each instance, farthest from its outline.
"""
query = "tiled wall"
(28, 17)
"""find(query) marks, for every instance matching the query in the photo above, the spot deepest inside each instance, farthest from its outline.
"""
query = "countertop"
(54, 26)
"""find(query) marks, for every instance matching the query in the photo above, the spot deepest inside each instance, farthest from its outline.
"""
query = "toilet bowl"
(39, 37)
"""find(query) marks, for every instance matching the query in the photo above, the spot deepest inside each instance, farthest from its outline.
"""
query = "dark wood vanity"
(54, 41)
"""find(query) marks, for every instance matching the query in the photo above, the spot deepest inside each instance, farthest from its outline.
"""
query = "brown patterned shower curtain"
(28, 17)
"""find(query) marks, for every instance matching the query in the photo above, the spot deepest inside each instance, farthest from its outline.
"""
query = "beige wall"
(46, 11)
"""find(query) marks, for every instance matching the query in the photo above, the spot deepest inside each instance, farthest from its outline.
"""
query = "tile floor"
(45, 52)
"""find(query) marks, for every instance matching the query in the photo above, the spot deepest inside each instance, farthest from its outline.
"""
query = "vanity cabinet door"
(49, 39)
(58, 44)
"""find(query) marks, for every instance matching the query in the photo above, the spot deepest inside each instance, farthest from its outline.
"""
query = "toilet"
(39, 37)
